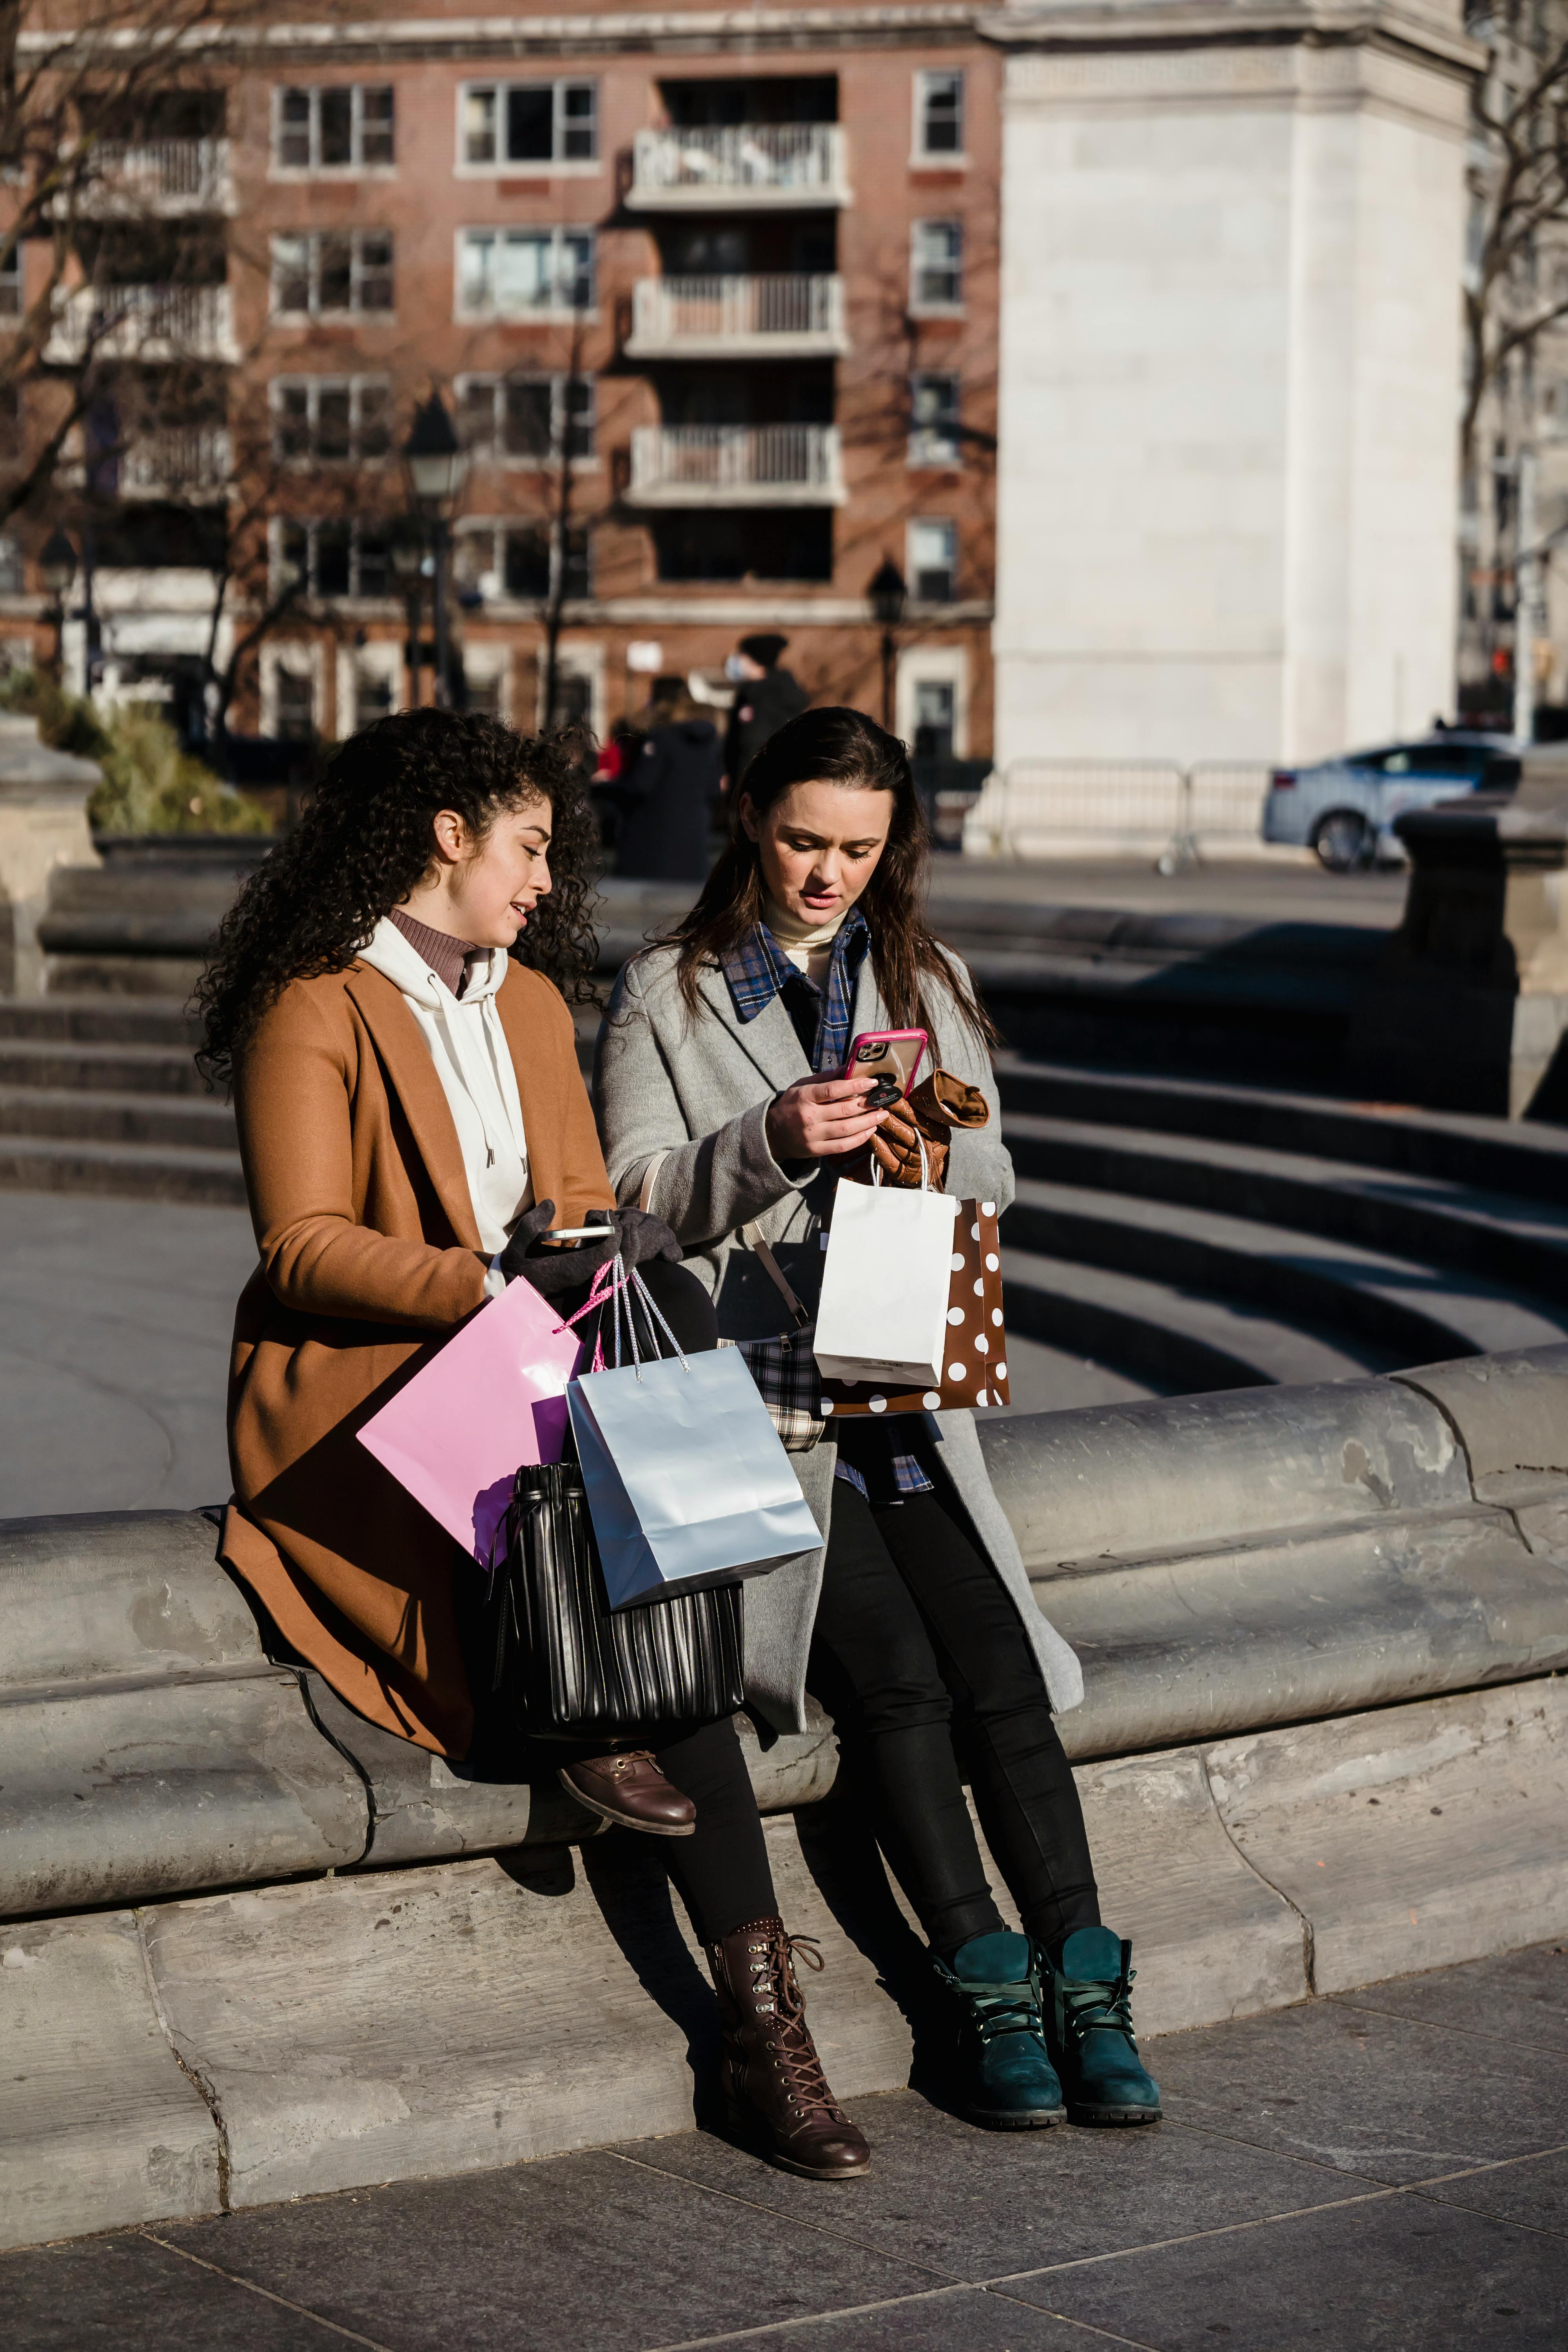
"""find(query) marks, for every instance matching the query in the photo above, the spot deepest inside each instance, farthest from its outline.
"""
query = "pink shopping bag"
(494, 1398)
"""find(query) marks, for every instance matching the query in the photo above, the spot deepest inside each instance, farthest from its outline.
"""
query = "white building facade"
(1228, 496)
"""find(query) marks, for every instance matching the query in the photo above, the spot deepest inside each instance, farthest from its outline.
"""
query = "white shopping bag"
(882, 1315)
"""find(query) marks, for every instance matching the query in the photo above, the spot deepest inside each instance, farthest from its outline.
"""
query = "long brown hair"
(833, 747)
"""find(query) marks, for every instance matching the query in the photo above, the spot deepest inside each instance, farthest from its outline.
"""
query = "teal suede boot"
(1090, 2019)
(1001, 2072)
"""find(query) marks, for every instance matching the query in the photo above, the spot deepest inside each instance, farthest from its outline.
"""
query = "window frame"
(314, 386)
(921, 156)
(561, 380)
(313, 525)
(495, 527)
(557, 164)
(913, 571)
(316, 238)
(356, 167)
(554, 312)
(923, 438)
(12, 284)
(935, 306)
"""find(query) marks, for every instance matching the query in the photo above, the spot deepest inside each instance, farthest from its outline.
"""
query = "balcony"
(142, 322)
(785, 166)
(161, 176)
(737, 318)
(736, 465)
(177, 460)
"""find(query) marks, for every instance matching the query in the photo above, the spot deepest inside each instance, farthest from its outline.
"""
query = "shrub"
(149, 784)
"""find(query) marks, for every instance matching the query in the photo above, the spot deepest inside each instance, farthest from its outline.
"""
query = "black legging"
(723, 1869)
(913, 1625)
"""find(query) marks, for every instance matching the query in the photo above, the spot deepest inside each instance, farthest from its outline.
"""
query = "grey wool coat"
(692, 1093)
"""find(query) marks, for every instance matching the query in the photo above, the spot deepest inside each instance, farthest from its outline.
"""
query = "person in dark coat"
(766, 696)
(668, 793)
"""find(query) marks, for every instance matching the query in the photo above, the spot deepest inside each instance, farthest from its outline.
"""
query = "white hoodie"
(473, 1062)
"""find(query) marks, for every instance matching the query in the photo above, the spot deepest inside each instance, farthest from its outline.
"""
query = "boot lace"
(995, 2010)
(1100, 2008)
(790, 2046)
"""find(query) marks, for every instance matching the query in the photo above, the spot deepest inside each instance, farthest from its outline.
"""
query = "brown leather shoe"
(629, 1789)
(772, 2075)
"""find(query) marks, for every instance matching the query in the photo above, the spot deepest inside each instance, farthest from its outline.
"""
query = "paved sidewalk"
(1388, 2169)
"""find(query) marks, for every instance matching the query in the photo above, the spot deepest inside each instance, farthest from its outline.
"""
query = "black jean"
(919, 1656)
(723, 1869)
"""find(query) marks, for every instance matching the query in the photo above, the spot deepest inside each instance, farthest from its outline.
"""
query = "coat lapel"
(405, 1058)
(768, 1040)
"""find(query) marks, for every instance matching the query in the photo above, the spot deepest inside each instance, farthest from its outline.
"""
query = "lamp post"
(57, 570)
(437, 466)
(888, 593)
(409, 565)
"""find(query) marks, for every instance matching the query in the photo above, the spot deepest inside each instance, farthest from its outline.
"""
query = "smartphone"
(892, 1056)
(560, 1233)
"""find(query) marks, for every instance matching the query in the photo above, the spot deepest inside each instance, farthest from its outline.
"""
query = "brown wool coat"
(369, 1252)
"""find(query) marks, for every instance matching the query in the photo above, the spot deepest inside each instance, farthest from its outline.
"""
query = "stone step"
(1177, 1339)
(1490, 1154)
(1519, 1244)
(99, 1019)
(76, 1115)
(148, 1172)
(1391, 1308)
(99, 1068)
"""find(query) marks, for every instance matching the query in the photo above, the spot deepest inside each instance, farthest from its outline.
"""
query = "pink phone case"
(889, 1037)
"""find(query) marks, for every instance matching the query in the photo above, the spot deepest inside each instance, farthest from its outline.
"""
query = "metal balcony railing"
(178, 458)
(164, 322)
(756, 314)
(164, 170)
(778, 162)
(736, 464)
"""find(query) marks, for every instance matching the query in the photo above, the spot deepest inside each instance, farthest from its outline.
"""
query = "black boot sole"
(1113, 2116)
(1035, 2120)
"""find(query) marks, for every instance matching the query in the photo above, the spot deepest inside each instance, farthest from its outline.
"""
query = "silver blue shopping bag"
(687, 1482)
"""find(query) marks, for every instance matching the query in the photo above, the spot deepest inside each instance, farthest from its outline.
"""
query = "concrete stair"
(1193, 1234)
(100, 1094)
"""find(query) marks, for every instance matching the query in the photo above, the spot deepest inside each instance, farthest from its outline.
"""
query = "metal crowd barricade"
(1157, 808)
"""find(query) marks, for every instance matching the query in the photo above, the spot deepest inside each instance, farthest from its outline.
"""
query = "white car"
(1346, 808)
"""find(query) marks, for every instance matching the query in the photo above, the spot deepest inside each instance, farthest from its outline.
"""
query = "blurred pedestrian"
(766, 696)
(668, 793)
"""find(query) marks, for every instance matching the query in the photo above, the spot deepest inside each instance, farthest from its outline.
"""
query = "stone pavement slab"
(1346, 2176)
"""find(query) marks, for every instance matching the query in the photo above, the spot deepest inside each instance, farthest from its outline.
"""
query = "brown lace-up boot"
(772, 2075)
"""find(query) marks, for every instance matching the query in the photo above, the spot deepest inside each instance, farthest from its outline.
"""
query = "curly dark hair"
(364, 841)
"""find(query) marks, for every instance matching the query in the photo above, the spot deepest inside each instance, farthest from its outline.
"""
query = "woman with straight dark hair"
(723, 1110)
(386, 1002)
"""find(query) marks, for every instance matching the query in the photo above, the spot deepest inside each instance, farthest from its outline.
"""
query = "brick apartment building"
(712, 299)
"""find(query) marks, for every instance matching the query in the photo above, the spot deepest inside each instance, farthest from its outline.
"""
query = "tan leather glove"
(928, 1115)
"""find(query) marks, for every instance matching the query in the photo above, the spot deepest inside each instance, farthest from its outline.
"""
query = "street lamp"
(57, 570)
(437, 466)
(409, 565)
(888, 593)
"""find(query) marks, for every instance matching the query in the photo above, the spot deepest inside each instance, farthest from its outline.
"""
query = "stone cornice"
(1066, 26)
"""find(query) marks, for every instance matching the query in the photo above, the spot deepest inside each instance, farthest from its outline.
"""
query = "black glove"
(553, 1272)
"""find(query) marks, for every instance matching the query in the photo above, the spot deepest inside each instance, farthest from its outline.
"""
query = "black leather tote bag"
(567, 1666)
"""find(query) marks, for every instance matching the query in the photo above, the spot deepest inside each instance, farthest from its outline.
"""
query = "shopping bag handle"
(926, 1185)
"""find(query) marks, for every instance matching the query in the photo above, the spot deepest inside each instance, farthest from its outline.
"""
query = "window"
(934, 421)
(11, 283)
(330, 271)
(373, 691)
(504, 123)
(530, 420)
(296, 697)
(934, 700)
(10, 424)
(936, 265)
(336, 558)
(13, 580)
(519, 561)
(327, 420)
(934, 562)
(518, 273)
(939, 114)
(347, 127)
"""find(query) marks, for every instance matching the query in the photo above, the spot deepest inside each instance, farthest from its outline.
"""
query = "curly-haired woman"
(720, 1100)
(386, 1002)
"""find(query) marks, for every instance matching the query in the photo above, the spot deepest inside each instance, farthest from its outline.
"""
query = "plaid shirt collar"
(758, 969)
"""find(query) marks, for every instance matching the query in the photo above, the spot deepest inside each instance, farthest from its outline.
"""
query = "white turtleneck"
(808, 946)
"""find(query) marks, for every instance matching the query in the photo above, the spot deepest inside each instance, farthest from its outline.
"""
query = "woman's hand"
(817, 1118)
